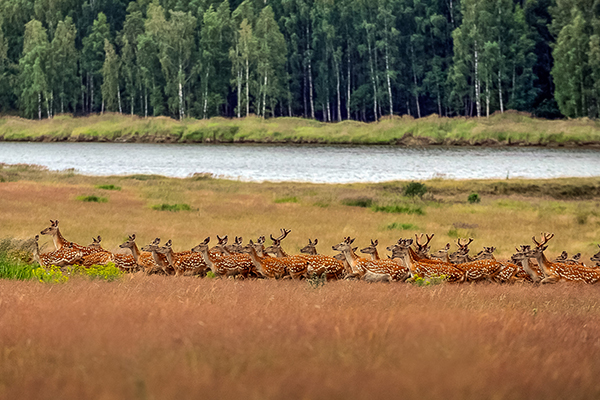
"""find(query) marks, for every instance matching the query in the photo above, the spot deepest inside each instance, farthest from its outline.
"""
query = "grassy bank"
(510, 128)
(187, 210)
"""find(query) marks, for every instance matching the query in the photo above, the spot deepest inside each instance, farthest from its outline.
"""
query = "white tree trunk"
(387, 73)
(205, 96)
(339, 100)
(348, 85)
(119, 98)
(477, 98)
(247, 88)
(487, 97)
(372, 78)
(500, 90)
(239, 92)
(181, 107)
(264, 96)
(40, 105)
(310, 84)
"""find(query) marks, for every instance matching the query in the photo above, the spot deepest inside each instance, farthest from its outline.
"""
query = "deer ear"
(207, 240)
(317, 241)
(132, 237)
(352, 241)
(251, 242)
(37, 237)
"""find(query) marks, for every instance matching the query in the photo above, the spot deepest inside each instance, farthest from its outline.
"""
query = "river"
(305, 163)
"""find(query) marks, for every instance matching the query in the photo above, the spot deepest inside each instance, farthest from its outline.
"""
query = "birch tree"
(33, 68)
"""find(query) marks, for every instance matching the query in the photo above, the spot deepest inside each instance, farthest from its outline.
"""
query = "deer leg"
(550, 279)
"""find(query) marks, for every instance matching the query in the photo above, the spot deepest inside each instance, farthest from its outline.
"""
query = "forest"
(320, 59)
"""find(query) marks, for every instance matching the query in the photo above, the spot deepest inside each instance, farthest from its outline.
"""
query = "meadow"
(155, 337)
(510, 128)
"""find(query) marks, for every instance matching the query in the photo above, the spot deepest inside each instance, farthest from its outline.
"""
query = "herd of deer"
(528, 264)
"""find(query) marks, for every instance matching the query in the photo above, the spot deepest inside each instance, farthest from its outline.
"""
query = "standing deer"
(60, 241)
(269, 267)
(296, 265)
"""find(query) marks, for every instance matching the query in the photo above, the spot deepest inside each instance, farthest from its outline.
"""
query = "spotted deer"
(62, 257)
(185, 262)
(159, 262)
(392, 267)
(320, 264)
(296, 265)
(422, 249)
(372, 250)
(268, 267)
(526, 272)
(442, 254)
(508, 271)
(427, 268)
(482, 269)
(235, 247)
(60, 241)
(101, 257)
(224, 265)
(461, 255)
(560, 272)
(144, 260)
(596, 258)
(358, 265)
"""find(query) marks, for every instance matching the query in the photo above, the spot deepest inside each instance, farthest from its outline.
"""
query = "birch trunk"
(181, 107)
(339, 100)
(348, 84)
(119, 98)
(146, 102)
(40, 105)
(387, 73)
(205, 96)
(500, 90)
(412, 51)
(310, 84)
(247, 88)
(264, 105)
(239, 93)
(477, 98)
(487, 97)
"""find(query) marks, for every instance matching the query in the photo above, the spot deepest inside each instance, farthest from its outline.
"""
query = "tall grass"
(159, 337)
(507, 128)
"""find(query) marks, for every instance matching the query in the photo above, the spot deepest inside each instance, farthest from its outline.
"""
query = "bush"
(108, 187)
(415, 189)
(399, 209)
(430, 281)
(401, 227)
(474, 198)
(92, 199)
(108, 272)
(172, 207)
(364, 202)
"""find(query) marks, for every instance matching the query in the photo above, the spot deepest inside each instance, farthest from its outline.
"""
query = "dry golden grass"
(153, 337)
(503, 219)
(162, 337)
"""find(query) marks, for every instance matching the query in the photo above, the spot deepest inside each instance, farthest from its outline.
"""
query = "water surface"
(305, 163)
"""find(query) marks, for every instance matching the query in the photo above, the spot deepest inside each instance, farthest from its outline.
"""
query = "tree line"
(320, 59)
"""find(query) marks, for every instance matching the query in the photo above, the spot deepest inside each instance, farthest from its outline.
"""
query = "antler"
(464, 245)
(284, 233)
(545, 237)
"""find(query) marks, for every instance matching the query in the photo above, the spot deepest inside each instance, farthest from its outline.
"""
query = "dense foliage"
(323, 59)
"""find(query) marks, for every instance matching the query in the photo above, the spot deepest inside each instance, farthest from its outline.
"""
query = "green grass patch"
(397, 226)
(93, 199)
(364, 202)
(172, 207)
(399, 209)
(108, 272)
(108, 187)
(293, 199)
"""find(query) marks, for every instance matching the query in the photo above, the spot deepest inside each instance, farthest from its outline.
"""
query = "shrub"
(400, 227)
(108, 187)
(474, 198)
(92, 199)
(316, 281)
(293, 199)
(364, 202)
(108, 272)
(172, 207)
(428, 281)
(399, 209)
(415, 189)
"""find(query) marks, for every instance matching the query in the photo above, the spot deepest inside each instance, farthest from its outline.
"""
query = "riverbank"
(508, 129)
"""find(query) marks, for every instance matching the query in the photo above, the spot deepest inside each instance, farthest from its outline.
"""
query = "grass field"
(153, 337)
(510, 128)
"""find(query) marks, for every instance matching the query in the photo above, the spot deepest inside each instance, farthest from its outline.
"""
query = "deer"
(508, 270)
(357, 264)
(320, 264)
(560, 272)
(268, 267)
(378, 267)
(427, 268)
(527, 272)
(225, 265)
(144, 260)
(442, 254)
(101, 257)
(596, 258)
(185, 262)
(461, 255)
(562, 258)
(62, 257)
(372, 250)
(422, 249)
(296, 265)
(159, 261)
(482, 269)
(60, 241)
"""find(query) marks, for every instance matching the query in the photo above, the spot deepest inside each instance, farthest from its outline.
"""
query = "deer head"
(96, 243)
(51, 229)
(284, 233)
(310, 248)
(596, 257)
(204, 245)
(545, 237)
(152, 246)
(129, 243)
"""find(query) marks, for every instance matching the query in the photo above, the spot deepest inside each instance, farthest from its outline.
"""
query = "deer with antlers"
(425, 268)
(296, 265)
(226, 264)
(268, 267)
(320, 264)
(560, 272)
